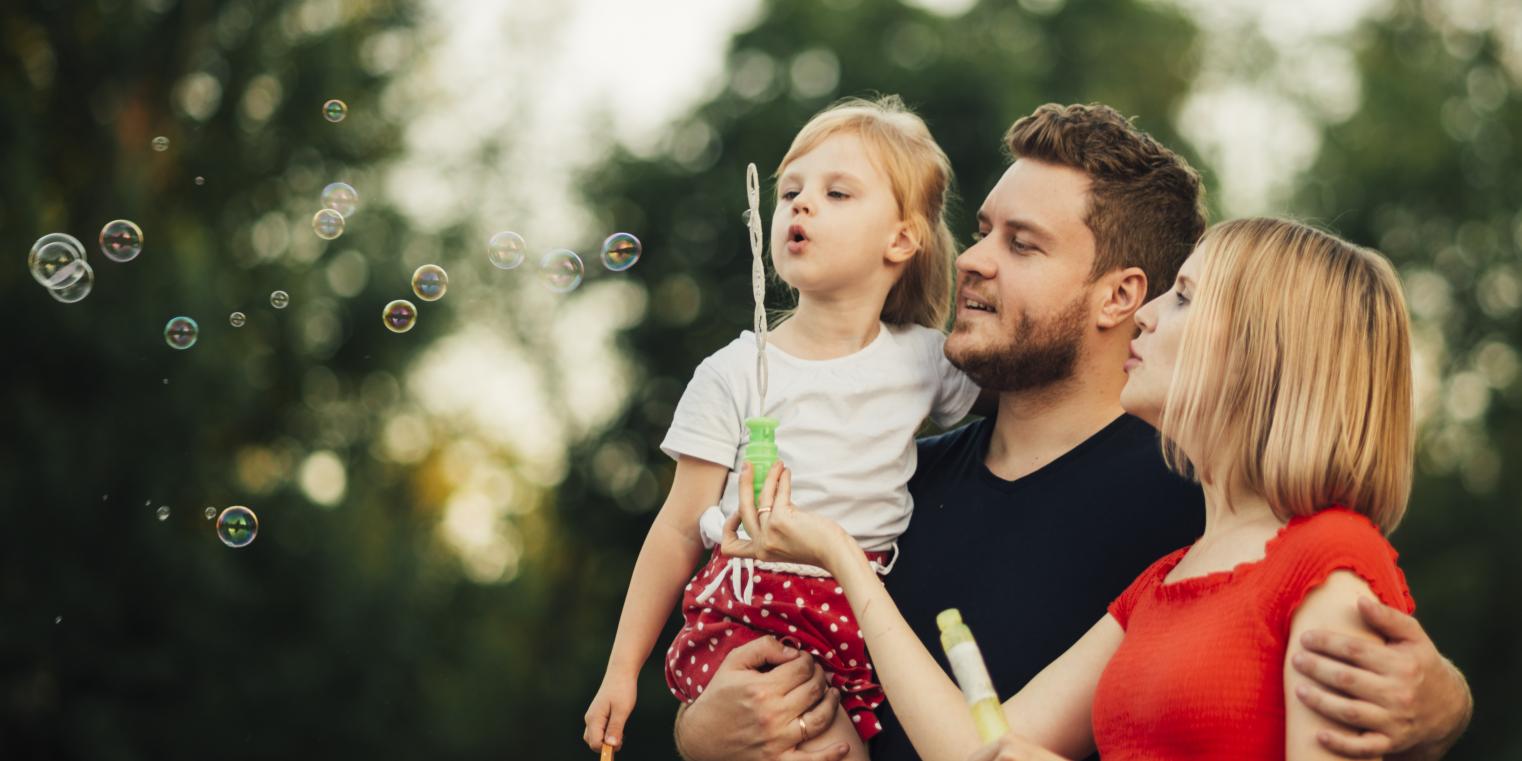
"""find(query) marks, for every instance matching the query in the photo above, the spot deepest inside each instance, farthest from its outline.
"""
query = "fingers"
(819, 718)
(747, 511)
(614, 735)
(784, 487)
(1354, 713)
(988, 752)
(1391, 624)
(1336, 675)
(769, 489)
(596, 719)
(807, 696)
(1353, 650)
(765, 651)
(1354, 744)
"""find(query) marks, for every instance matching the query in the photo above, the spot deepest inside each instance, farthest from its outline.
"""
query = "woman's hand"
(1012, 747)
(778, 530)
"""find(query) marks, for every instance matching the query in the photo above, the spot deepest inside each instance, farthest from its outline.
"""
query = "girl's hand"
(1014, 748)
(778, 530)
(609, 710)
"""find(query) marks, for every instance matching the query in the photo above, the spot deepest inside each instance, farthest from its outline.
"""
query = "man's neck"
(1036, 426)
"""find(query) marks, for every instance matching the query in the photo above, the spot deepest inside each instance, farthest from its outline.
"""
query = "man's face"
(1023, 297)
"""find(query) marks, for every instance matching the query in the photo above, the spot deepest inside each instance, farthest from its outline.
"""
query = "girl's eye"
(788, 195)
(837, 194)
(1182, 299)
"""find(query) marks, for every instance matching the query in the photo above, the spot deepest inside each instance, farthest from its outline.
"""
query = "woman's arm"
(1331, 607)
(671, 550)
(1054, 707)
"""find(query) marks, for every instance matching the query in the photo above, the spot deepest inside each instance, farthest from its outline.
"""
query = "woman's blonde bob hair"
(1294, 373)
(920, 175)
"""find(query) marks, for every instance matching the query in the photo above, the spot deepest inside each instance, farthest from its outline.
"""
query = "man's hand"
(1402, 697)
(1012, 747)
(747, 713)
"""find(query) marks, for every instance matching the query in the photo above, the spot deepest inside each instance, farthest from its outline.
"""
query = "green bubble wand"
(761, 452)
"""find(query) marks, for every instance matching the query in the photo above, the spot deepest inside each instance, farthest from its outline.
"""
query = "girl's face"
(836, 229)
(1154, 353)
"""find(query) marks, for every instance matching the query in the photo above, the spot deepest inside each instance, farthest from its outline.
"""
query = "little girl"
(853, 371)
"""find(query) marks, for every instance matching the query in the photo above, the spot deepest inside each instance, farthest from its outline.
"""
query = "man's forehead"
(1048, 195)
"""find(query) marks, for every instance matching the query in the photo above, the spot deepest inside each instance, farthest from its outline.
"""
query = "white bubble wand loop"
(761, 451)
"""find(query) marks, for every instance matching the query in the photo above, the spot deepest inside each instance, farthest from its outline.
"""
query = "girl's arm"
(1332, 606)
(1053, 709)
(671, 550)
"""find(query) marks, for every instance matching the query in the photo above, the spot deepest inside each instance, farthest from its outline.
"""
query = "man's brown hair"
(1146, 204)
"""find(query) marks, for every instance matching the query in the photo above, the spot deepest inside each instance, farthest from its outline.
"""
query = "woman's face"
(1154, 353)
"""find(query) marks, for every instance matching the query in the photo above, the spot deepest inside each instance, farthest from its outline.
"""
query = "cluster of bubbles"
(236, 526)
(561, 269)
(339, 202)
(58, 262)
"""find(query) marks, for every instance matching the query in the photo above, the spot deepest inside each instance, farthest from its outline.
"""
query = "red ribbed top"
(1200, 674)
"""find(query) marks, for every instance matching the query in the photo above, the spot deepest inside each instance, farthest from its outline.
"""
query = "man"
(1033, 520)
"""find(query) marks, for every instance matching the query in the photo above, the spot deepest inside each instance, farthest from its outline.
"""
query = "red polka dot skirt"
(806, 612)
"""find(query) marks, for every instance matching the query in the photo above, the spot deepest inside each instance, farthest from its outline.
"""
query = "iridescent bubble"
(328, 224)
(279, 299)
(211, 512)
(342, 198)
(181, 333)
(162, 512)
(399, 316)
(335, 110)
(561, 270)
(56, 260)
(620, 251)
(237, 526)
(429, 282)
(121, 240)
(161, 144)
(200, 180)
(506, 250)
(78, 290)
(237, 319)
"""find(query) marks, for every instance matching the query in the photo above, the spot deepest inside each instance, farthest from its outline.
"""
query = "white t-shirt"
(845, 425)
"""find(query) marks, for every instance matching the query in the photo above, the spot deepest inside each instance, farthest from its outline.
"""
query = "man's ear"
(903, 246)
(1125, 291)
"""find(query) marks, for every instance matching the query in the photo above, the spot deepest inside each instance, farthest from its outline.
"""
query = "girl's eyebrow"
(1185, 282)
(829, 177)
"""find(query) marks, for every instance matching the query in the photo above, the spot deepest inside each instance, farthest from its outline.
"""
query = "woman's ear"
(1126, 293)
(903, 246)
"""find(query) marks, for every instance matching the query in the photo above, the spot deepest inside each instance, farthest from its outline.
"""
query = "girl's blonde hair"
(1295, 372)
(920, 176)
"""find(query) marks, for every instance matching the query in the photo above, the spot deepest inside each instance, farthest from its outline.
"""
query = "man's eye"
(1019, 245)
(978, 235)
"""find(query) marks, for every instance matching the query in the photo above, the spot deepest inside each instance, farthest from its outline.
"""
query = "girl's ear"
(903, 246)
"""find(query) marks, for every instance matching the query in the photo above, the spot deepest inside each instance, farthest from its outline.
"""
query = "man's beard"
(1035, 355)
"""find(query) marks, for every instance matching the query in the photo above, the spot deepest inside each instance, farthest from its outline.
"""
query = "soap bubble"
(57, 260)
(328, 224)
(340, 197)
(211, 512)
(121, 240)
(620, 251)
(335, 110)
(506, 250)
(237, 319)
(161, 144)
(429, 282)
(561, 270)
(399, 316)
(162, 512)
(81, 288)
(237, 526)
(181, 333)
(200, 180)
(279, 299)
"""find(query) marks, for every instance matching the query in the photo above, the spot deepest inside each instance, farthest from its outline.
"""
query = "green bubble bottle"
(761, 452)
(972, 675)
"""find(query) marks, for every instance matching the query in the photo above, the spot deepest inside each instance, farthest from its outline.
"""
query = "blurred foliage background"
(448, 517)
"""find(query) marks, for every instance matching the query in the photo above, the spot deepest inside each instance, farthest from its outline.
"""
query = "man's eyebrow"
(1017, 224)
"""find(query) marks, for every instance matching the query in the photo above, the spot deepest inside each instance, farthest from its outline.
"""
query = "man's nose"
(973, 262)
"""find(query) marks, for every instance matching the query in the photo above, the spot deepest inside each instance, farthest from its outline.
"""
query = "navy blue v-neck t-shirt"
(1031, 563)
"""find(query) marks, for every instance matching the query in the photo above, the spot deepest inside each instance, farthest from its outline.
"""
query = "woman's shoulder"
(1310, 548)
